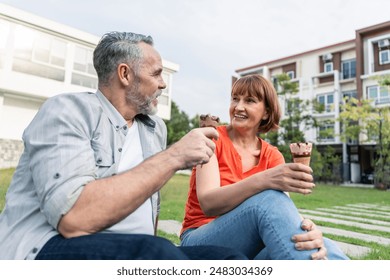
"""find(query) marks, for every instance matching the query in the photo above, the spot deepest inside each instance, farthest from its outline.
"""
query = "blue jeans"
(261, 227)
(104, 246)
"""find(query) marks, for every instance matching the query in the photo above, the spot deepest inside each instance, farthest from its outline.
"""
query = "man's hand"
(311, 240)
(196, 147)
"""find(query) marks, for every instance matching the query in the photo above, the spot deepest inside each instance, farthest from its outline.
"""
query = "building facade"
(328, 75)
(40, 58)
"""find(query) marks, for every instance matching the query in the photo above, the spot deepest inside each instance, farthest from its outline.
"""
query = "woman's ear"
(266, 115)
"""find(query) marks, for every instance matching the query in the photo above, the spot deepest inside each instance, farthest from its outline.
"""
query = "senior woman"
(240, 197)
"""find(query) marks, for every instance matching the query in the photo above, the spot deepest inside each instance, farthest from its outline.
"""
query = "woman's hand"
(290, 177)
(311, 240)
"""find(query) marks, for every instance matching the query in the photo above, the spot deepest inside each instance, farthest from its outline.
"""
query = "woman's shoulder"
(223, 133)
(270, 150)
(221, 129)
(266, 145)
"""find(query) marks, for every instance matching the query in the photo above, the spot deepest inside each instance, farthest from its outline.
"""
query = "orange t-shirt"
(230, 170)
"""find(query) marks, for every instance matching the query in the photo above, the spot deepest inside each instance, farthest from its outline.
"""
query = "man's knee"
(154, 247)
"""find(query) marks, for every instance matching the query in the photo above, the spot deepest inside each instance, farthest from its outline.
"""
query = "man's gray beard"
(142, 105)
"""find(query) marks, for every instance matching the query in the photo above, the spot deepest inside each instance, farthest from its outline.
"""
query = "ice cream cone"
(301, 152)
(208, 121)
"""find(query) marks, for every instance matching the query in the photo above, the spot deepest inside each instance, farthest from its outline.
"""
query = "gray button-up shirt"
(74, 138)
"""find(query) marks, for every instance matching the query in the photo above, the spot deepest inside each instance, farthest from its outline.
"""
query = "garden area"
(174, 194)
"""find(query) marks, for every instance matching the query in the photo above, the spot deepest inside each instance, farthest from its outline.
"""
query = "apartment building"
(330, 73)
(40, 58)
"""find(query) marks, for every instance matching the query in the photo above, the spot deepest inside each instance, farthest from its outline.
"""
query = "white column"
(337, 100)
(266, 73)
(2, 118)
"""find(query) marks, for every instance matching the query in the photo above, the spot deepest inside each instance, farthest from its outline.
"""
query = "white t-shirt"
(141, 220)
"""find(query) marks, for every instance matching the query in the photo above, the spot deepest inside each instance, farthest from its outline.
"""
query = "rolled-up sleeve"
(62, 160)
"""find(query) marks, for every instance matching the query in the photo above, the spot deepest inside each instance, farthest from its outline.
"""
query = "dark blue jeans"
(104, 246)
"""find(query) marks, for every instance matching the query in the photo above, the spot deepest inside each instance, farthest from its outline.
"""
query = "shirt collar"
(117, 119)
(112, 113)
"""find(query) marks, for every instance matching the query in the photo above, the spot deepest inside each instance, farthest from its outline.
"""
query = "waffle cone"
(301, 152)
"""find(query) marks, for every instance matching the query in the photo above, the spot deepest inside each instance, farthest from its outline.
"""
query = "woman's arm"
(214, 200)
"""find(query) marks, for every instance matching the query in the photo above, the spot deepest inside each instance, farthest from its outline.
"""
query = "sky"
(211, 39)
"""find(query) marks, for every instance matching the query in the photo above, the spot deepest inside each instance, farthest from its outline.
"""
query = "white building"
(40, 58)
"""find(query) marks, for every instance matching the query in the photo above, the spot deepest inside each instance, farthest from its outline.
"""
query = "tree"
(364, 121)
(296, 111)
(178, 125)
(331, 166)
(298, 117)
(290, 127)
(194, 122)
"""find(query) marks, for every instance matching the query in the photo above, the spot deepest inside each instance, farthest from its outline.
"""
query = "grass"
(5, 179)
(173, 198)
(325, 196)
(174, 195)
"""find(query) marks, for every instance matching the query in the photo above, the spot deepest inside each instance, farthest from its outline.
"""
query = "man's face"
(148, 84)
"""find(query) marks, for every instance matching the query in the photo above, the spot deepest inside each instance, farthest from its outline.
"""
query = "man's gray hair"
(115, 48)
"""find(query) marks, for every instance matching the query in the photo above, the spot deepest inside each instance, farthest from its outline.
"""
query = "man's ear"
(125, 74)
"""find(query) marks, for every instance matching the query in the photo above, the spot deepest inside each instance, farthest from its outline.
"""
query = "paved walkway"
(364, 216)
(170, 226)
(359, 216)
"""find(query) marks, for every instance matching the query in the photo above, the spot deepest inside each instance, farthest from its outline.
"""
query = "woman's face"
(247, 111)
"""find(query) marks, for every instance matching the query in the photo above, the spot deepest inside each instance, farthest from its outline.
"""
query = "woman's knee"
(268, 197)
(270, 203)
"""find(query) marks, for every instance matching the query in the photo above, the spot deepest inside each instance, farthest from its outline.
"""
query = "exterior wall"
(40, 58)
(10, 151)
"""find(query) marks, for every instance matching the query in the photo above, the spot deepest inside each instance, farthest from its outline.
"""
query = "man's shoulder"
(73, 97)
(77, 106)
(83, 101)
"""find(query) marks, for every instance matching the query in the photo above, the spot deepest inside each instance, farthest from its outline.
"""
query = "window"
(326, 100)
(83, 60)
(291, 105)
(84, 73)
(291, 74)
(39, 54)
(384, 57)
(378, 94)
(274, 80)
(350, 94)
(4, 30)
(328, 67)
(348, 69)
(326, 131)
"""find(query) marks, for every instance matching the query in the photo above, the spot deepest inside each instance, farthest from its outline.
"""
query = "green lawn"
(173, 198)
(174, 194)
(5, 179)
(327, 196)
